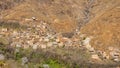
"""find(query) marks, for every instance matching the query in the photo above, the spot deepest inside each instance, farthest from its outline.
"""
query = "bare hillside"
(60, 33)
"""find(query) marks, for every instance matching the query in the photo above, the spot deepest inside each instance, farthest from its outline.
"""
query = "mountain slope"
(105, 29)
(63, 16)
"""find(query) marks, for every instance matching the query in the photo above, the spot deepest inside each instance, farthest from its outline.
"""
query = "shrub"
(13, 25)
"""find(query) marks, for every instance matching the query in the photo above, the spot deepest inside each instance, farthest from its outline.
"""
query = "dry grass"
(105, 29)
(12, 25)
(49, 11)
(65, 16)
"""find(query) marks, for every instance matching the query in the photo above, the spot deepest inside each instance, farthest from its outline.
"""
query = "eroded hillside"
(68, 15)
(67, 33)
(105, 29)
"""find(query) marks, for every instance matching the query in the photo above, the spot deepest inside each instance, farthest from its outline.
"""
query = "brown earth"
(62, 14)
(105, 28)
(102, 17)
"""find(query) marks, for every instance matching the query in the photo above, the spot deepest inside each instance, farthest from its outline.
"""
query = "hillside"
(67, 33)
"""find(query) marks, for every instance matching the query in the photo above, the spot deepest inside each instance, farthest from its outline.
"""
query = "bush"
(13, 25)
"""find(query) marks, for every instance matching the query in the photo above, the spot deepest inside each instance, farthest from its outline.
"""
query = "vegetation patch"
(12, 25)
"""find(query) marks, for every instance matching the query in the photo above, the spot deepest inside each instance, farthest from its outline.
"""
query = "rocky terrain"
(59, 34)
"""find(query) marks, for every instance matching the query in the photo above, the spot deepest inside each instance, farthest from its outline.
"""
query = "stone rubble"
(95, 57)
(24, 60)
(46, 66)
(2, 57)
(38, 36)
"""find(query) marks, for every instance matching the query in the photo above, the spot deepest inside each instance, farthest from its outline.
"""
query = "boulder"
(2, 57)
